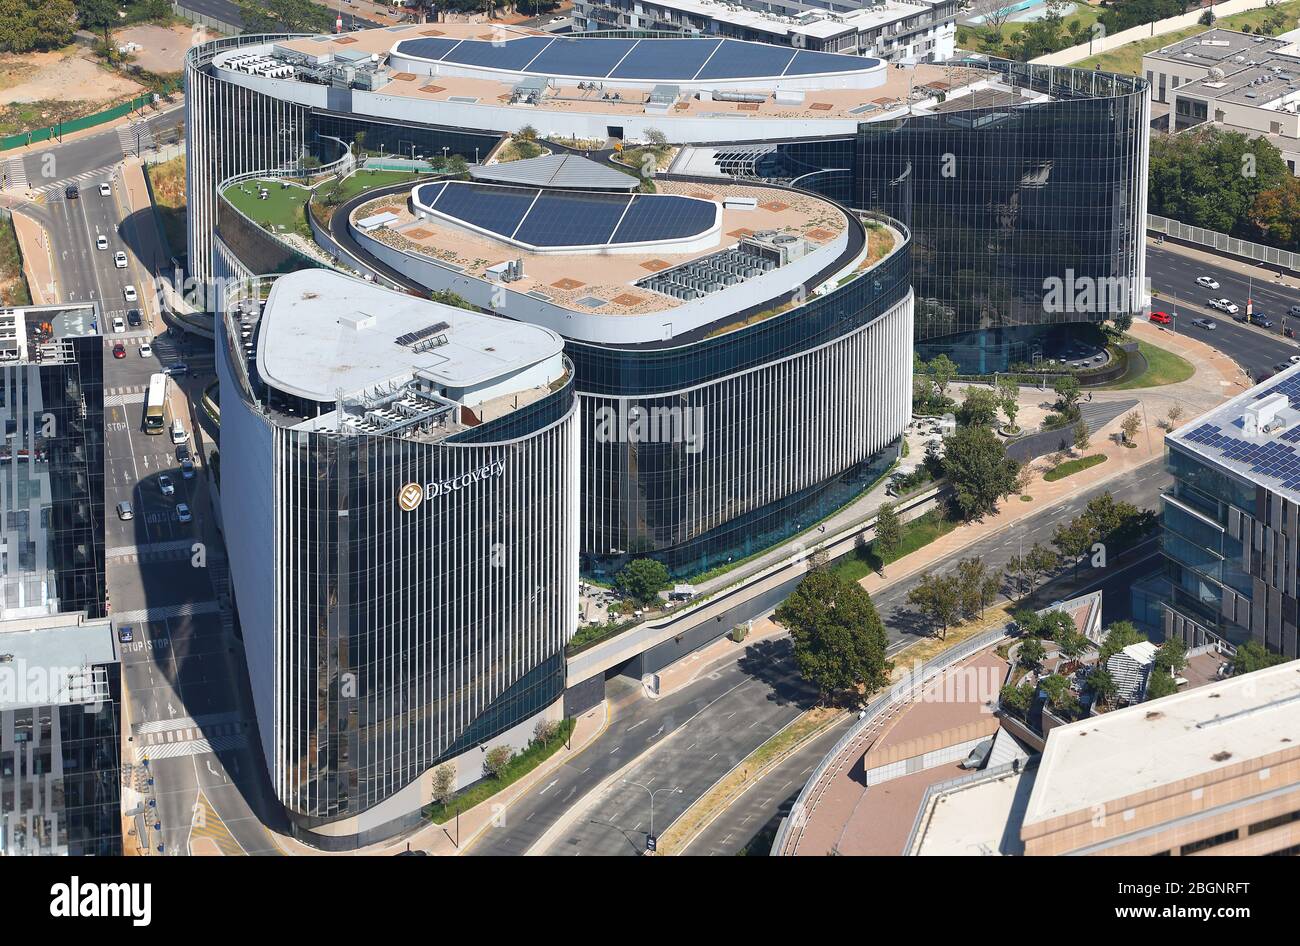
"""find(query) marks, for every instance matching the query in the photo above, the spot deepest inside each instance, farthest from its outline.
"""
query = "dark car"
(71, 192)
(125, 635)
(177, 371)
(1261, 320)
(182, 452)
(119, 350)
(1294, 312)
(133, 317)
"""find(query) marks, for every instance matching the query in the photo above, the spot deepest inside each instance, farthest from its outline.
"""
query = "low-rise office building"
(1231, 521)
(1245, 83)
(399, 498)
(60, 737)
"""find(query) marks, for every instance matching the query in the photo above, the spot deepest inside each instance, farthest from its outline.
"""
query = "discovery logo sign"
(411, 496)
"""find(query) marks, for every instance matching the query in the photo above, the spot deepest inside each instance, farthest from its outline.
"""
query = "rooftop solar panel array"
(679, 60)
(1276, 458)
(551, 218)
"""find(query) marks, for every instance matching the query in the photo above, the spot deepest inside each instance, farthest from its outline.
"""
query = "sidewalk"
(1217, 378)
(438, 839)
(690, 668)
(38, 267)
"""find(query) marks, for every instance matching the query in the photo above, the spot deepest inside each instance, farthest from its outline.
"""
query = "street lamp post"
(650, 837)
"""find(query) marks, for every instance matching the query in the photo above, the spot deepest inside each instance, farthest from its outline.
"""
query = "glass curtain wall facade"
(781, 423)
(52, 483)
(60, 776)
(382, 639)
(1000, 200)
(1231, 550)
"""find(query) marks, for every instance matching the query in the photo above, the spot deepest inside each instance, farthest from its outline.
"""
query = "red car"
(119, 350)
(1160, 318)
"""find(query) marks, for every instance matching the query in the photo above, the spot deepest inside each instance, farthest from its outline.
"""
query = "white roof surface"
(323, 332)
(1162, 741)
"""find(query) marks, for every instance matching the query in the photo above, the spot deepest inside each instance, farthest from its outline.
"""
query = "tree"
(1252, 656)
(1074, 540)
(1057, 690)
(1102, 685)
(1081, 439)
(839, 641)
(26, 25)
(99, 16)
(1131, 424)
(1031, 654)
(976, 463)
(942, 370)
(1056, 626)
(1017, 699)
(1008, 400)
(970, 576)
(1071, 644)
(1041, 561)
(938, 598)
(1118, 636)
(285, 16)
(889, 534)
(444, 783)
(1067, 394)
(1172, 656)
(656, 138)
(642, 579)
(496, 761)
(1160, 683)
(1175, 415)
(980, 408)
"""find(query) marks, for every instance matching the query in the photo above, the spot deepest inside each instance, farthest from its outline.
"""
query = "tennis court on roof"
(634, 60)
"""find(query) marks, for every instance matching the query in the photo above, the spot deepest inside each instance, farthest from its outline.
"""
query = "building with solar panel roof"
(399, 501)
(968, 154)
(1231, 522)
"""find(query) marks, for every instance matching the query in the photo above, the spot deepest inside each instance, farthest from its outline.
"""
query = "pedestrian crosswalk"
(136, 138)
(188, 609)
(54, 191)
(186, 722)
(175, 745)
(15, 174)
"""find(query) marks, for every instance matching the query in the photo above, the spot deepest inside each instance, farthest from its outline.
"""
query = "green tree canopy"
(839, 641)
(976, 463)
(285, 16)
(27, 25)
(642, 579)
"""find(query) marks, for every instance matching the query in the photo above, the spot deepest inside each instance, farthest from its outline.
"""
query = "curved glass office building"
(399, 498)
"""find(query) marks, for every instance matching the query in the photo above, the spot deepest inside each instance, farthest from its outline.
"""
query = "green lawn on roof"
(282, 207)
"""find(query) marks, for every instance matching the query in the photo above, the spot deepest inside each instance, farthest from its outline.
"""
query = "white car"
(130, 294)
(166, 485)
(1223, 305)
(118, 324)
(1295, 359)
(146, 350)
(1209, 282)
(119, 260)
(105, 190)
(101, 242)
(183, 512)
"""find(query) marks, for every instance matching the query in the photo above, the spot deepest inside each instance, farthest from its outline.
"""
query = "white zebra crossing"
(189, 609)
(16, 173)
(179, 750)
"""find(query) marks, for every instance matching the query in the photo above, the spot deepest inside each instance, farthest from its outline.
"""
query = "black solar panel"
(665, 59)
(734, 60)
(513, 54)
(587, 58)
(569, 219)
(664, 217)
(431, 47)
(498, 209)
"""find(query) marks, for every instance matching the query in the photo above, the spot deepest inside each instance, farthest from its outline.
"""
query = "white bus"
(154, 422)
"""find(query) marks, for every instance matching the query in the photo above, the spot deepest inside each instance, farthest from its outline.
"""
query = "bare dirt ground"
(162, 48)
(62, 76)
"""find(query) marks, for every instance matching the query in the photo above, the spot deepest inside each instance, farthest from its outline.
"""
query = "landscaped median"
(1070, 467)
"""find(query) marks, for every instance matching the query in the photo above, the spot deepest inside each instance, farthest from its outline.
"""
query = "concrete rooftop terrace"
(567, 278)
(892, 88)
(322, 333)
(1143, 747)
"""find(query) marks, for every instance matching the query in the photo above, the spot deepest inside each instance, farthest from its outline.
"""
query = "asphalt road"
(1173, 275)
(47, 168)
(183, 678)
